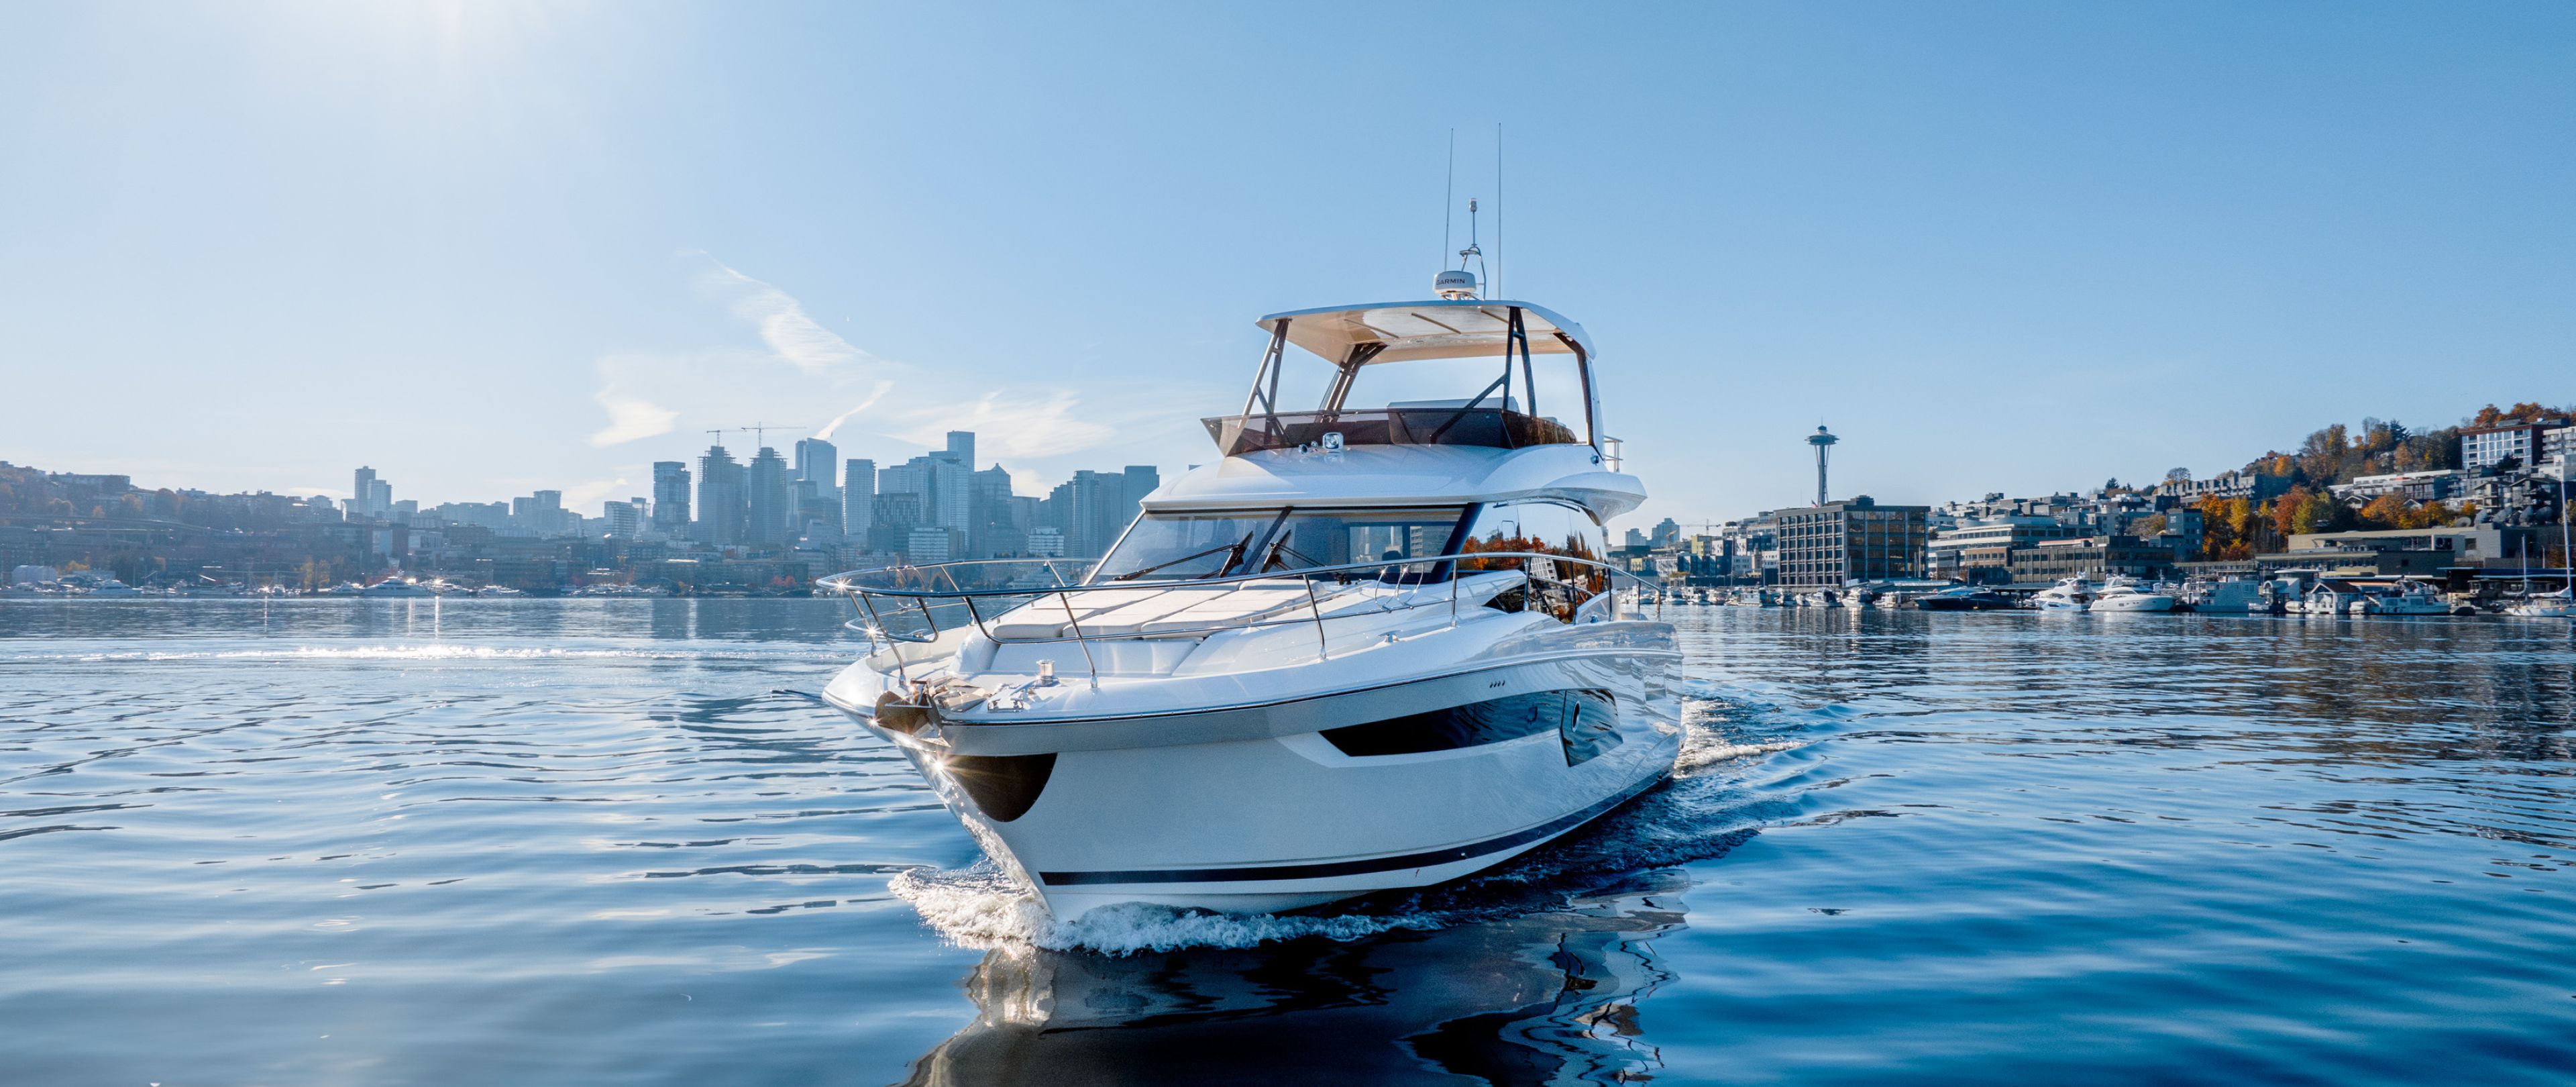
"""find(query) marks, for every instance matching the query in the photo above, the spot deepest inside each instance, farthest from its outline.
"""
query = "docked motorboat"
(395, 586)
(2070, 594)
(2405, 598)
(1370, 648)
(2123, 594)
(1964, 598)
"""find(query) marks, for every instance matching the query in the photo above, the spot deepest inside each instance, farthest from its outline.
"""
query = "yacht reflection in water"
(1543, 998)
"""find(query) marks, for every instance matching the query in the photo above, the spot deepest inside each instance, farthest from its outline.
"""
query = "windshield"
(1310, 538)
(1170, 546)
(1179, 546)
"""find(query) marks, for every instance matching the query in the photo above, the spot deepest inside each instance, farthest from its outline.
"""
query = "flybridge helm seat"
(1355, 338)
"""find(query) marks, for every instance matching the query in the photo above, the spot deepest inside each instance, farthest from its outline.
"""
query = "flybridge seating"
(1357, 339)
(1453, 423)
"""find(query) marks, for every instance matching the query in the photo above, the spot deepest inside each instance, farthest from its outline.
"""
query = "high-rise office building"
(540, 512)
(670, 496)
(624, 519)
(721, 503)
(961, 448)
(380, 499)
(1092, 508)
(893, 517)
(994, 529)
(362, 491)
(858, 499)
(772, 517)
(815, 461)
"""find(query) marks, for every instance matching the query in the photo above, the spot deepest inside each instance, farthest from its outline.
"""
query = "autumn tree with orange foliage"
(2226, 526)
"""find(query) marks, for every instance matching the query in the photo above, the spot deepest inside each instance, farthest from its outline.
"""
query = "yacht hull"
(1265, 807)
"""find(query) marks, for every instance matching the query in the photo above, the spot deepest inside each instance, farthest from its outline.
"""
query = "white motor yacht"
(2406, 598)
(395, 586)
(2123, 594)
(1373, 646)
(2070, 594)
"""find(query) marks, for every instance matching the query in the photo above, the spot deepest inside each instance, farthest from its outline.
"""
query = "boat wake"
(1711, 804)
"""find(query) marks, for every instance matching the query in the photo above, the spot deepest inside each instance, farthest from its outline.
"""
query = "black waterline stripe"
(1350, 868)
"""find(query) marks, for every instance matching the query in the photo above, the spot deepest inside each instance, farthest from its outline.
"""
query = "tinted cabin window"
(1583, 720)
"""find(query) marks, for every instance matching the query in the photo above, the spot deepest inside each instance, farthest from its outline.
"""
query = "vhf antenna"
(1448, 197)
(1495, 288)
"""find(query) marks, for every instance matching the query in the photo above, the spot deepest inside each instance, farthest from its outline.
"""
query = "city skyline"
(489, 252)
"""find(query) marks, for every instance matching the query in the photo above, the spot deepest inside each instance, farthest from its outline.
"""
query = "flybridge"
(1354, 339)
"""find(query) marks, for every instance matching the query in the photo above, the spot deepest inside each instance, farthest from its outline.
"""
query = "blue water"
(573, 842)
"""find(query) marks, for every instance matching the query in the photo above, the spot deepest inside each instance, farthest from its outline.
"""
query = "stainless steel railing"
(906, 604)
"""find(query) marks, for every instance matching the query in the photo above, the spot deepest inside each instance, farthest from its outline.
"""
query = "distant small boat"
(1964, 598)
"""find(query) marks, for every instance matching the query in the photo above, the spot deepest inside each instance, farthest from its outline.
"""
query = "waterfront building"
(1046, 542)
(1980, 550)
(2050, 561)
(858, 498)
(2412, 550)
(671, 496)
(2483, 448)
(721, 499)
(2557, 447)
(1856, 539)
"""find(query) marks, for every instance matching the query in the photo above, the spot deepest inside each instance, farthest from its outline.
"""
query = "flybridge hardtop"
(1440, 329)
(1507, 413)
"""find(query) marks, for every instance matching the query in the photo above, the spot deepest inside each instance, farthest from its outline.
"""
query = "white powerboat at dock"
(1370, 648)
(2123, 594)
(2069, 594)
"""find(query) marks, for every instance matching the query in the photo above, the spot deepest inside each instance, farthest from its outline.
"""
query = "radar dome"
(1456, 284)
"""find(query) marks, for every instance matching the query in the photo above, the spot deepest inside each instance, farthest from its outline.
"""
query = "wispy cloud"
(781, 320)
(883, 387)
(580, 495)
(630, 418)
(1040, 426)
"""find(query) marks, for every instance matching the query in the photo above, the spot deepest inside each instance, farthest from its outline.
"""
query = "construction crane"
(759, 432)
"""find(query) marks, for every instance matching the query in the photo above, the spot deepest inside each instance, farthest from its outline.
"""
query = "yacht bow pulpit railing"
(901, 605)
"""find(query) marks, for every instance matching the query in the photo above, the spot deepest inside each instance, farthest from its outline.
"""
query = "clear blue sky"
(2018, 247)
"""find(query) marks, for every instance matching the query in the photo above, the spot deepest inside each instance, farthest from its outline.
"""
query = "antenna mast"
(1449, 194)
(1495, 288)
